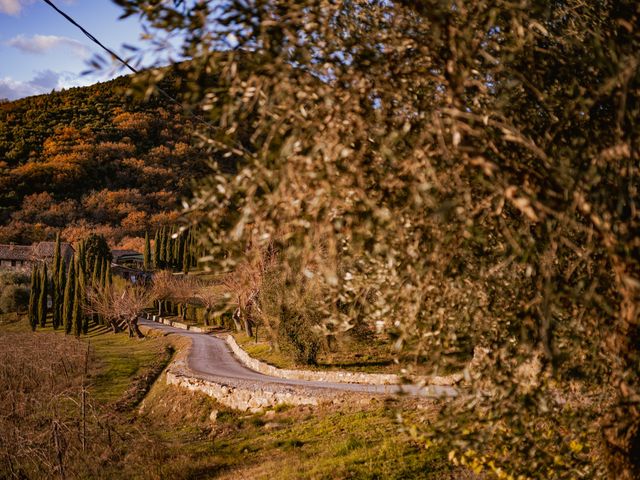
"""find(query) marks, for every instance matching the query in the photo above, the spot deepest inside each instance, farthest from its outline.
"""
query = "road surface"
(210, 358)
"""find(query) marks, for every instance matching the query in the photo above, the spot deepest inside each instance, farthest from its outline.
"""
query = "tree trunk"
(134, 328)
(236, 319)
(159, 308)
(248, 326)
(114, 326)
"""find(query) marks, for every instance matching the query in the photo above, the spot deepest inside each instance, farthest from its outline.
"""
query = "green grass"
(115, 360)
(174, 436)
(300, 444)
(324, 442)
(355, 356)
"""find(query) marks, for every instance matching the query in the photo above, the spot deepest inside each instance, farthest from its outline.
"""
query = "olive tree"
(472, 163)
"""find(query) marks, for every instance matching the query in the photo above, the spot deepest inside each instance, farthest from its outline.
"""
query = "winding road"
(210, 358)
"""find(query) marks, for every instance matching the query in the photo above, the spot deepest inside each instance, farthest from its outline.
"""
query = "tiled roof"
(47, 249)
(124, 253)
(16, 252)
(40, 250)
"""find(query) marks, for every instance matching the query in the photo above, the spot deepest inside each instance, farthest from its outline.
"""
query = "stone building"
(22, 257)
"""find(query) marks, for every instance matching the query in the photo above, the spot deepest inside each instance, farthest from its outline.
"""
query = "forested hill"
(92, 158)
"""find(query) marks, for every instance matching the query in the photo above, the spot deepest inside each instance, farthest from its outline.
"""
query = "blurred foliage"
(471, 170)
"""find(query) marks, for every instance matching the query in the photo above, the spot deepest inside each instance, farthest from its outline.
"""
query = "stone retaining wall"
(252, 400)
(311, 375)
(183, 326)
(315, 376)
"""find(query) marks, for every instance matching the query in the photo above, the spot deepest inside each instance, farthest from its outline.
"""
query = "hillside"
(92, 158)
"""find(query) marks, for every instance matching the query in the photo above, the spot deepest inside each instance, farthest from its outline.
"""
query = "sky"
(41, 51)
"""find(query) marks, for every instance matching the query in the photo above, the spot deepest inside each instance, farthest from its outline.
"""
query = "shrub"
(296, 334)
(13, 278)
(14, 298)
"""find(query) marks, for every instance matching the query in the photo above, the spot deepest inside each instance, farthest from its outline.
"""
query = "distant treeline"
(93, 159)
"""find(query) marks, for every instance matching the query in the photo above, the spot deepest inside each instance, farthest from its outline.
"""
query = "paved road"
(211, 358)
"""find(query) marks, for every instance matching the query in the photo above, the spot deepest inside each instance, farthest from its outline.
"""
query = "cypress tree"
(96, 283)
(96, 274)
(177, 251)
(42, 301)
(56, 256)
(168, 245)
(76, 319)
(193, 254)
(162, 247)
(81, 268)
(107, 276)
(156, 250)
(103, 273)
(69, 297)
(147, 251)
(85, 323)
(34, 294)
(60, 286)
(186, 257)
(55, 297)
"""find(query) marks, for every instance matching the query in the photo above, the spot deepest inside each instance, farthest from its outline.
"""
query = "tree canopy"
(93, 158)
(471, 164)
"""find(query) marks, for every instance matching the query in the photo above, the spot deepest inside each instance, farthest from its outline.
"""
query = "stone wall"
(252, 400)
(183, 326)
(316, 376)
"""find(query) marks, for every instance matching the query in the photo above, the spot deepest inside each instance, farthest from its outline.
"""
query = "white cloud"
(43, 82)
(12, 89)
(40, 44)
(13, 7)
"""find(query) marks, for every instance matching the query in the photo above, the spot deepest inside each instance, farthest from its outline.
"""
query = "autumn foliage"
(92, 160)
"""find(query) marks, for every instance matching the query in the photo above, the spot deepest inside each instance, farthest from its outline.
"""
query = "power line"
(237, 149)
(91, 37)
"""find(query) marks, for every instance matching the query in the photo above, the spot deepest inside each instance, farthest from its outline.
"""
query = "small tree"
(43, 298)
(147, 251)
(34, 294)
(69, 299)
(60, 287)
(14, 298)
(119, 306)
(210, 296)
(56, 293)
(78, 302)
(156, 250)
(162, 289)
(183, 290)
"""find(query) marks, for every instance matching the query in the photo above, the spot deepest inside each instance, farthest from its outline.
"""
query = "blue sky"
(41, 51)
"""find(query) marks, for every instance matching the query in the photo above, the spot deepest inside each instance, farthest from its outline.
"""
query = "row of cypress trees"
(66, 285)
(172, 250)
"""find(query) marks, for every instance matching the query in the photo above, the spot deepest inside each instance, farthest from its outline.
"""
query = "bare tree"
(209, 296)
(162, 289)
(119, 306)
(183, 290)
(244, 286)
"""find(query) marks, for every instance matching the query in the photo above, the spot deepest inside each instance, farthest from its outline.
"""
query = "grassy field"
(114, 361)
(372, 357)
(206, 440)
(173, 433)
